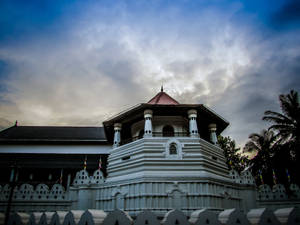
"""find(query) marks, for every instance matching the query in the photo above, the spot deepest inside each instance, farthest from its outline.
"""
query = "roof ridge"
(157, 99)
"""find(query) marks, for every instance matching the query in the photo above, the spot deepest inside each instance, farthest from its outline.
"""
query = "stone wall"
(91, 191)
(262, 216)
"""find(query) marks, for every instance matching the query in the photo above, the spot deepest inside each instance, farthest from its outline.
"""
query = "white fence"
(262, 216)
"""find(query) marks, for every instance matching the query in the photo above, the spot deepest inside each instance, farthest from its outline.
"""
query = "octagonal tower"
(164, 156)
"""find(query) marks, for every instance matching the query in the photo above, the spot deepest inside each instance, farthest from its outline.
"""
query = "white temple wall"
(143, 175)
(149, 157)
(249, 197)
(163, 196)
(140, 194)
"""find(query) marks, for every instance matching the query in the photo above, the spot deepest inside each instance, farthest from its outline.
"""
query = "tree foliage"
(277, 149)
(287, 123)
(234, 159)
(264, 145)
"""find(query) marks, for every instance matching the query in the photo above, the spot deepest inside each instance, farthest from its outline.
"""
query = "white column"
(148, 123)
(69, 181)
(212, 131)
(117, 136)
(192, 115)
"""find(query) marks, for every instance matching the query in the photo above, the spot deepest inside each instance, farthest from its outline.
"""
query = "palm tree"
(264, 145)
(287, 123)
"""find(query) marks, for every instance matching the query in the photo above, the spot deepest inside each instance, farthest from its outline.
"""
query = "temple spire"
(162, 98)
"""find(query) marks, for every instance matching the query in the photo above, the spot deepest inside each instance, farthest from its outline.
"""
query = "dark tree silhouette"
(234, 159)
(287, 127)
(287, 123)
(264, 144)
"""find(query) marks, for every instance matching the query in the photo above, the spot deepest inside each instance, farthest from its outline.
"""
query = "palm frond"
(289, 103)
(276, 117)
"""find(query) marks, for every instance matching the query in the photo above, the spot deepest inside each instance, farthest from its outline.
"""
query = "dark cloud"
(257, 90)
(111, 59)
(288, 15)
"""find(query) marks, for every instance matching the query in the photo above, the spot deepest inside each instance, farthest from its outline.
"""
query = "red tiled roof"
(163, 98)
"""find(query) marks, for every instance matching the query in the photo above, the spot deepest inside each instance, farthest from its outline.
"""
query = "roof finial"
(162, 88)
(16, 123)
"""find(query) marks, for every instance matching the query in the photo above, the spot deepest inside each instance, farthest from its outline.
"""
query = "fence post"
(118, 217)
(288, 216)
(175, 217)
(232, 217)
(146, 217)
(262, 216)
(204, 216)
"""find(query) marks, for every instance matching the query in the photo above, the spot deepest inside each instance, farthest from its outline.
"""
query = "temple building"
(157, 155)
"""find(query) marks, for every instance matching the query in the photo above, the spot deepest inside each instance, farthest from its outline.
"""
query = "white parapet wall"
(93, 192)
(27, 198)
(277, 197)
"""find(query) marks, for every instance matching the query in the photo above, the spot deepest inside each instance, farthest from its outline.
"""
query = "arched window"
(168, 131)
(173, 149)
(141, 133)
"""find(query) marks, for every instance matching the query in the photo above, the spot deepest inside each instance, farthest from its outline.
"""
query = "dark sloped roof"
(53, 133)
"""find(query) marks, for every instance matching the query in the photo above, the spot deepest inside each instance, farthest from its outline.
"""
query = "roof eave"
(51, 142)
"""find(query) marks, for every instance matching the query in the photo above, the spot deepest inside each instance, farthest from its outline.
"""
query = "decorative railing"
(170, 134)
(27, 192)
(156, 134)
(128, 140)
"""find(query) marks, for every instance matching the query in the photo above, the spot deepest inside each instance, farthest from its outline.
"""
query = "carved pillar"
(212, 131)
(193, 128)
(148, 123)
(117, 136)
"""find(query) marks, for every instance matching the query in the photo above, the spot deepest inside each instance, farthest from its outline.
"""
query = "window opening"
(168, 131)
(141, 134)
(173, 149)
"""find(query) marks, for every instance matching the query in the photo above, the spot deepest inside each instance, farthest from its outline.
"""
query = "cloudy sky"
(70, 62)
